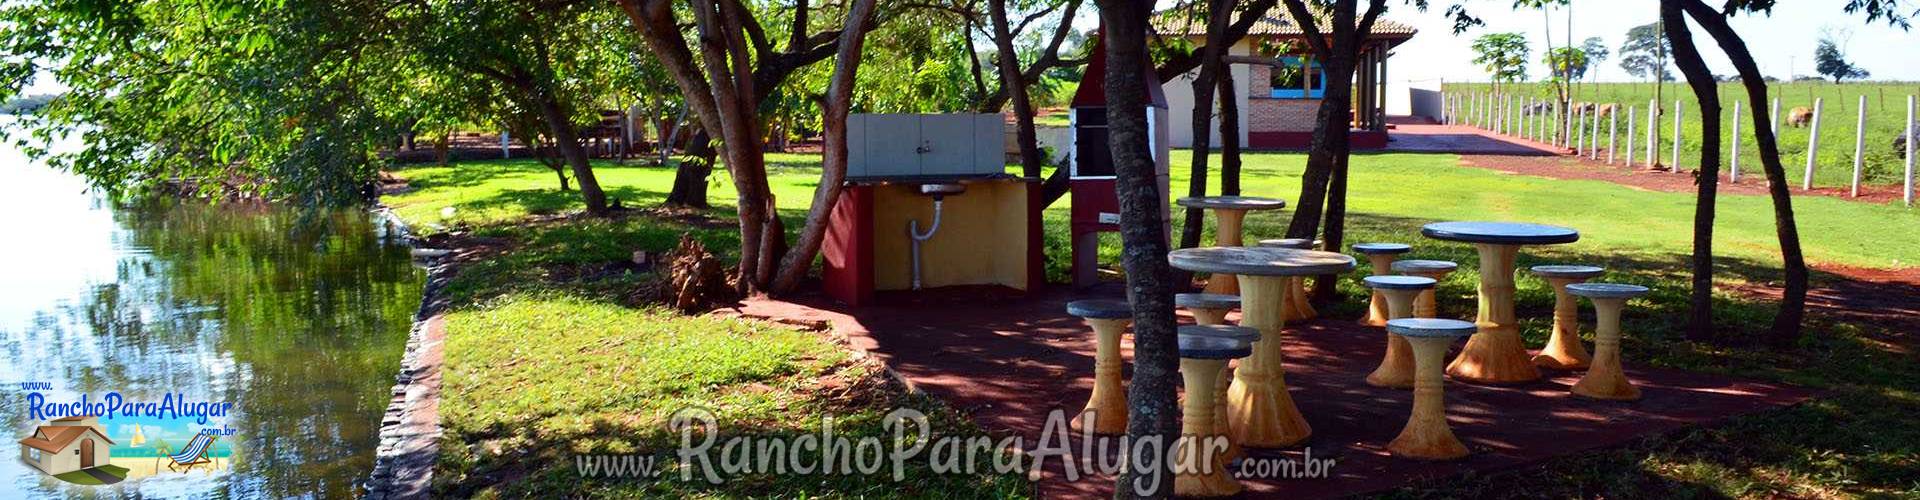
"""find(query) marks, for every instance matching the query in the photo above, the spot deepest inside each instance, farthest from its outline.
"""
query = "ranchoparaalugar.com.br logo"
(909, 446)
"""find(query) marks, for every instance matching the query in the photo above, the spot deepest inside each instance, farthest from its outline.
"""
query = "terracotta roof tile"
(53, 438)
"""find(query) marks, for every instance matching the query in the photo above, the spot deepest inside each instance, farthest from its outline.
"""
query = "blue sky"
(1778, 42)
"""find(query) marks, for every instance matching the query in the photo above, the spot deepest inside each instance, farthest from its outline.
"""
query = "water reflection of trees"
(298, 319)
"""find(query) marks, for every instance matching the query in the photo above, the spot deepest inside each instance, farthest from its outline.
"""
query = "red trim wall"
(847, 271)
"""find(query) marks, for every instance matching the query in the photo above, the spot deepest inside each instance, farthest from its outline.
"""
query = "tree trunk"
(690, 177)
(568, 142)
(1009, 63)
(833, 172)
(1793, 303)
(1706, 90)
(1153, 419)
(1229, 132)
(1195, 218)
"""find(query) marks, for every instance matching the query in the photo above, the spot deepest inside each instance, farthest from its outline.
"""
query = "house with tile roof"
(66, 445)
(1278, 103)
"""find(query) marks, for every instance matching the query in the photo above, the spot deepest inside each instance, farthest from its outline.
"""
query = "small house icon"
(66, 445)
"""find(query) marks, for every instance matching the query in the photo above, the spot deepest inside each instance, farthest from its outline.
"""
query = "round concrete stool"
(1381, 255)
(1298, 308)
(1107, 408)
(1563, 350)
(1396, 368)
(1207, 308)
(1427, 435)
(1228, 213)
(1425, 306)
(1202, 357)
(1241, 333)
(1605, 379)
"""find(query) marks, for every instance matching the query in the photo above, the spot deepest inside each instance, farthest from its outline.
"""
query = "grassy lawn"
(1858, 440)
(1886, 112)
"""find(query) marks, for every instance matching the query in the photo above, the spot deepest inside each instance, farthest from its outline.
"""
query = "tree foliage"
(1503, 55)
(1641, 53)
(1569, 61)
(261, 98)
(1831, 61)
(1596, 52)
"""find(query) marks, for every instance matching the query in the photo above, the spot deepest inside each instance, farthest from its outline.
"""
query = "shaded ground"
(1009, 360)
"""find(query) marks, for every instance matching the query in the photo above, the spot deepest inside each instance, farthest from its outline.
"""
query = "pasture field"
(1886, 110)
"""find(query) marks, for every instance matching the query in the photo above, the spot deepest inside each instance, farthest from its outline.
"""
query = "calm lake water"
(297, 320)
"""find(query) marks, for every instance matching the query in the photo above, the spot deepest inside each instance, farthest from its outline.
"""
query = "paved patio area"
(1418, 135)
(1007, 360)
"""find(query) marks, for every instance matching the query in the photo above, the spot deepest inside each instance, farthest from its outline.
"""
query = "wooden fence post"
(1813, 146)
(1613, 129)
(1733, 174)
(1675, 167)
(1859, 146)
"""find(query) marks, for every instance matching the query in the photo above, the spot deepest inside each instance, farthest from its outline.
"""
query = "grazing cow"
(1799, 116)
(1900, 139)
(1608, 109)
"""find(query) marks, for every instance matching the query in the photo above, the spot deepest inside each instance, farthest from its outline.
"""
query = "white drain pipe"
(913, 231)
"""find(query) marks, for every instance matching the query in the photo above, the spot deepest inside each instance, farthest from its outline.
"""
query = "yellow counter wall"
(982, 238)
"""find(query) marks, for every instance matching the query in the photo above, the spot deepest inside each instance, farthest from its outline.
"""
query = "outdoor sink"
(942, 189)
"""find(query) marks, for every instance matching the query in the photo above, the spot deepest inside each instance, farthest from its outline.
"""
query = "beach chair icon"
(195, 453)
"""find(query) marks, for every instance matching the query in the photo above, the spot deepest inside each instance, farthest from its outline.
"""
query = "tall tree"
(1597, 54)
(1152, 418)
(1641, 53)
(736, 61)
(1503, 56)
(1787, 323)
(1325, 178)
(1830, 60)
(1707, 178)
(540, 54)
(166, 95)
(1015, 81)
(1207, 82)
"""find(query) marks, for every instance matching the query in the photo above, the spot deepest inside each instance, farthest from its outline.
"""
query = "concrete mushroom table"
(1228, 212)
(1298, 307)
(1563, 350)
(1260, 412)
(1495, 354)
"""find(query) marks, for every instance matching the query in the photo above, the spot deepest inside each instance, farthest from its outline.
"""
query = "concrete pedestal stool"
(1396, 368)
(1605, 379)
(1427, 435)
(1219, 397)
(1425, 306)
(1228, 213)
(1207, 308)
(1298, 307)
(1201, 472)
(1496, 355)
(1106, 409)
(1381, 255)
(1260, 411)
(1563, 350)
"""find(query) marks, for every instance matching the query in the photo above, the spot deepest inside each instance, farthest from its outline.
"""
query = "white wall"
(1180, 101)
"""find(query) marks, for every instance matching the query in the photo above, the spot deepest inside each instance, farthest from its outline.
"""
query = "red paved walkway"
(1007, 361)
(1421, 136)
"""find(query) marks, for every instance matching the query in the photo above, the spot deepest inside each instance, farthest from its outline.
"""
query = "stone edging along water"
(410, 428)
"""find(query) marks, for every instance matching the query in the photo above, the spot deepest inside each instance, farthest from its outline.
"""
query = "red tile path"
(1007, 360)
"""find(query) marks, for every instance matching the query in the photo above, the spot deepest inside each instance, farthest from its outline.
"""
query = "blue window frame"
(1286, 79)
